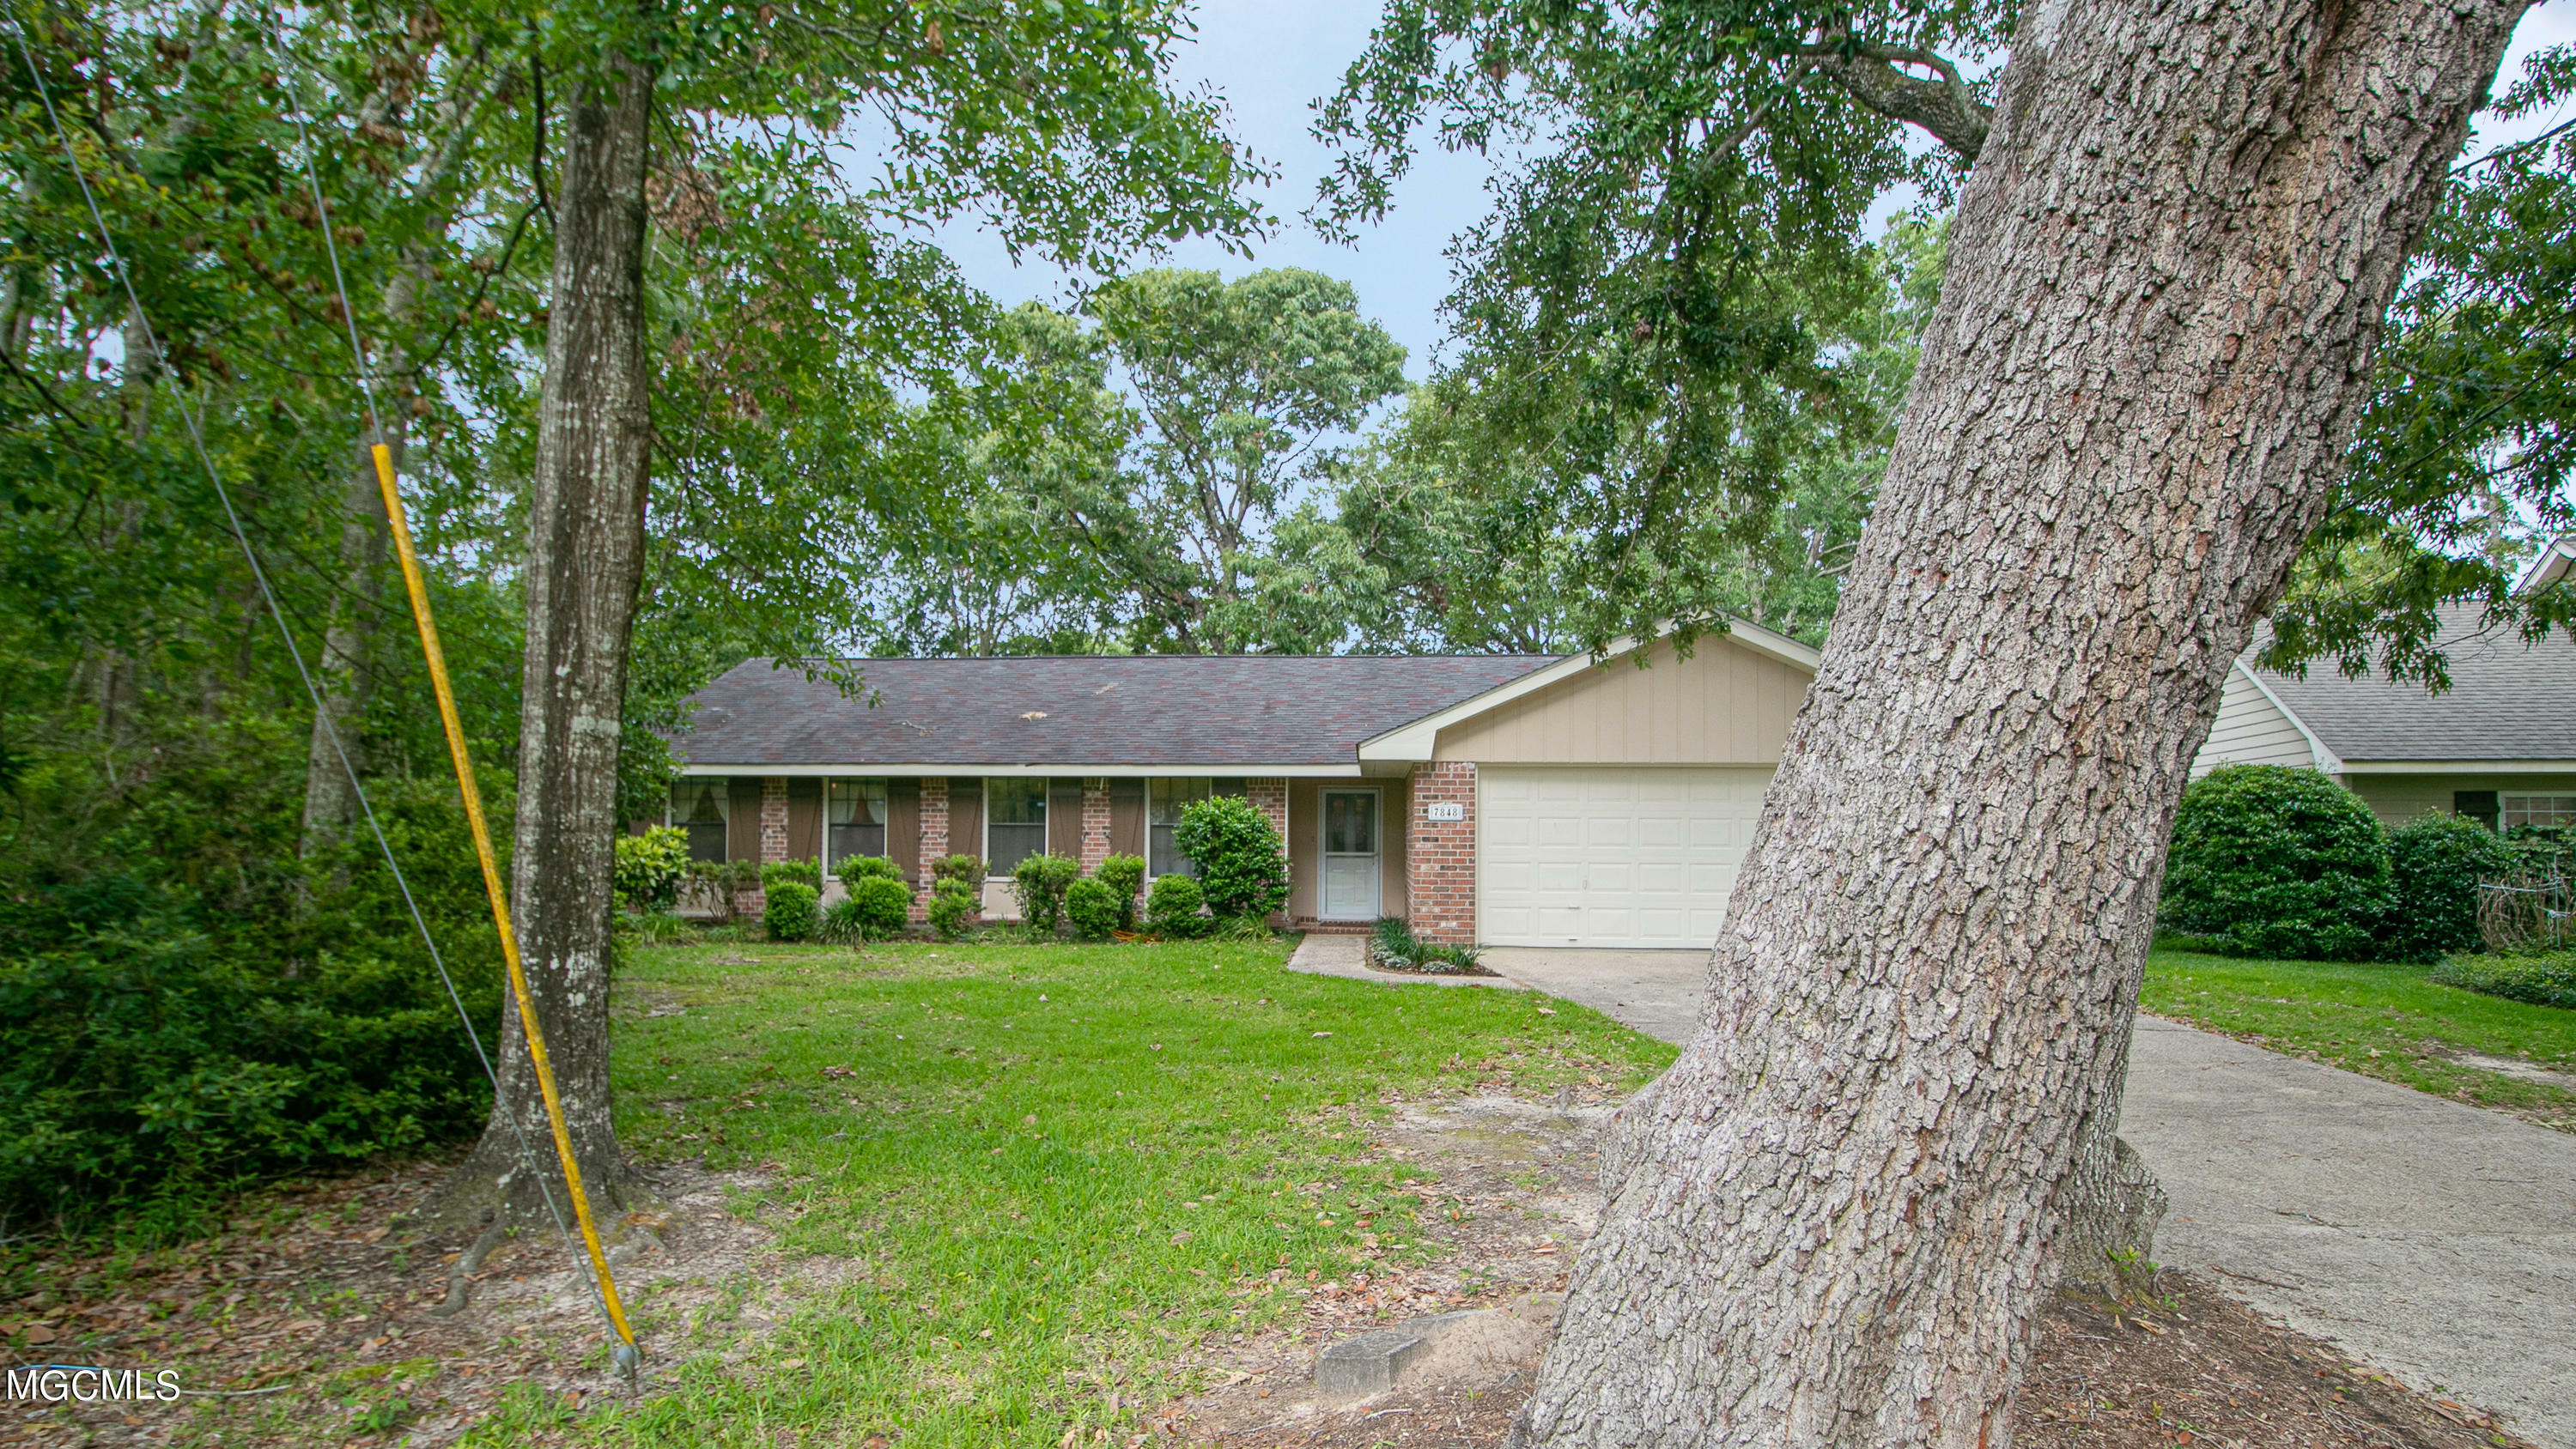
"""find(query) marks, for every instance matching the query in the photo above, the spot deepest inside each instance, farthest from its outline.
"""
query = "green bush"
(2543, 978)
(807, 873)
(1240, 863)
(790, 914)
(1093, 906)
(1394, 947)
(649, 868)
(1124, 874)
(1040, 883)
(883, 904)
(2435, 864)
(954, 905)
(966, 870)
(856, 868)
(2273, 861)
(1172, 912)
(712, 884)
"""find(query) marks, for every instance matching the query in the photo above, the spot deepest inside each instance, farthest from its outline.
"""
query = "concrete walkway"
(2431, 1239)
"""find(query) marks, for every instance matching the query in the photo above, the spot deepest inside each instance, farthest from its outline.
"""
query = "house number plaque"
(1445, 810)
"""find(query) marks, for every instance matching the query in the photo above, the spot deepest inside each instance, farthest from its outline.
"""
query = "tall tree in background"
(1238, 388)
(1830, 1222)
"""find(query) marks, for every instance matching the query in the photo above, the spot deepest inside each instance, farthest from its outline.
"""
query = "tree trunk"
(344, 669)
(1830, 1222)
(585, 564)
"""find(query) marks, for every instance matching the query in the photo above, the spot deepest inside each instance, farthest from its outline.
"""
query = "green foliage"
(857, 868)
(1241, 863)
(1125, 876)
(2273, 861)
(881, 905)
(656, 928)
(649, 868)
(2435, 864)
(2543, 978)
(790, 914)
(955, 907)
(966, 870)
(1092, 906)
(712, 885)
(1173, 911)
(807, 873)
(1394, 947)
(1040, 882)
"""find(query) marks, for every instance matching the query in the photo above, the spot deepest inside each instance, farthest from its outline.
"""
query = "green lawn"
(2382, 1021)
(1046, 1163)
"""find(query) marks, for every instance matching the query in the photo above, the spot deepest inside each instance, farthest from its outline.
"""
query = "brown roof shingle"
(1165, 711)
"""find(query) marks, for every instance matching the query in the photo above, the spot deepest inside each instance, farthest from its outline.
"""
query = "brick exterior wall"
(1440, 855)
(1271, 798)
(773, 818)
(1095, 825)
(934, 842)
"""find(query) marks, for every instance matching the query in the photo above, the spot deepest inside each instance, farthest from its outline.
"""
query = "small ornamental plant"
(1093, 907)
(955, 908)
(650, 867)
(807, 873)
(1173, 911)
(1125, 875)
(881, 905)
(1040, 883)
(1242, 866)
(856, 868)
(791, 914)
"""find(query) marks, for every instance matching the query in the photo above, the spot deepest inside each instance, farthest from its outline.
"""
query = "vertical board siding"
(903, 827)
(804, 819)
(1725, 705)
(1305, 848)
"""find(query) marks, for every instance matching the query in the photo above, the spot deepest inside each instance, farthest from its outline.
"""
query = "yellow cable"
(492, 883)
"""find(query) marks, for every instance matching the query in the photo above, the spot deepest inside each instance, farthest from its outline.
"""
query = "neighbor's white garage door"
(1608, 856)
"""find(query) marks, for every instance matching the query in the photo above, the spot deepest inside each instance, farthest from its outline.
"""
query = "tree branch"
(1946, 107)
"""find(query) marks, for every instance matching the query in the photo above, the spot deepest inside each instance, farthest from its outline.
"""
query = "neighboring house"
(2499, 745)
(1502, 799)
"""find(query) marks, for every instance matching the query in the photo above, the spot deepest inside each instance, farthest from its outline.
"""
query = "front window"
(2544, 812)
(698, 806)
(1165, 800)
(1014, 823)
(857, 814)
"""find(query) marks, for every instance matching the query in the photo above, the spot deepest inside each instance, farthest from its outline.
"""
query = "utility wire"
(197, 441)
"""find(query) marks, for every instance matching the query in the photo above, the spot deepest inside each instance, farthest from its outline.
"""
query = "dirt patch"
(311, 1322)
(1514, 1194)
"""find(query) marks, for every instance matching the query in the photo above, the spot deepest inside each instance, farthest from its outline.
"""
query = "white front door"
(1350, 855)
(1608, 856)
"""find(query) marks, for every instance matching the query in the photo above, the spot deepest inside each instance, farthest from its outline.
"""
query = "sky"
(1270, 60)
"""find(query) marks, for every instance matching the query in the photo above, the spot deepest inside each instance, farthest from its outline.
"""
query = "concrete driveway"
(2434, 1240)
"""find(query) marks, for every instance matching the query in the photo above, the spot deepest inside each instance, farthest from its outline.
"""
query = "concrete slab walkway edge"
(1343, 956)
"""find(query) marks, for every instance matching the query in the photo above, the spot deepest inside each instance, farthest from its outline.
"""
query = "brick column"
(1271, 798)
(1440, 855)
(1095, 825)
(934, 840)
(773, 819)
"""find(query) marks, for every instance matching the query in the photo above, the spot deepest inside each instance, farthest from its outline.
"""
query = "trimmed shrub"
(790, 914)
(2435, 864)
(1093, 906)
(1040, 883)
(882, 905)
(649, 868)
(712, 884)
(2543, 978)
(1124, 874)
(857, 868)
(807, 873)
(1173, 910)
(954, 905)
(966, 870)
(1241, 865)
(2273, 861)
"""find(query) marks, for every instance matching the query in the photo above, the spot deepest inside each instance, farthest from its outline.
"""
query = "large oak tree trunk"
(585, 564)
(1830, 1222)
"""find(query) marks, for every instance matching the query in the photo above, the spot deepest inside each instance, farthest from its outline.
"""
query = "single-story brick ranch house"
(1500, 799)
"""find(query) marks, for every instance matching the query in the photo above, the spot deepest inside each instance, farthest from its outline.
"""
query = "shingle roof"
(1211, 712)
(2507, 701)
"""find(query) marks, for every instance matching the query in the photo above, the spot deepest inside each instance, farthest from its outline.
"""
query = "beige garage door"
(1604, 856)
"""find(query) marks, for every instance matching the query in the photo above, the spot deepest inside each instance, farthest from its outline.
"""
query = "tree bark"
(1830, 1222)
(585, 565)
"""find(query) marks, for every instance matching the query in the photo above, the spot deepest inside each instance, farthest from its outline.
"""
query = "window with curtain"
(1165, 799)
(698, 806)
(855, 813)
(1014, 823)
